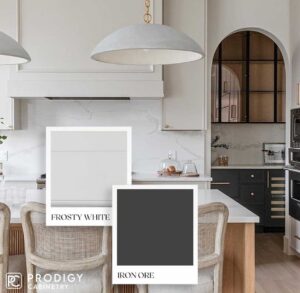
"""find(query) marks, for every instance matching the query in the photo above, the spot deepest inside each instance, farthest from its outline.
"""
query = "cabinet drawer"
(257, 209)
(226, 181)
(252, 193)
(252, 176)
(295, 234)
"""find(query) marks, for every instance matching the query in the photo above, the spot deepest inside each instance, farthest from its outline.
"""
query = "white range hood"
(60, 42)
(85, 89)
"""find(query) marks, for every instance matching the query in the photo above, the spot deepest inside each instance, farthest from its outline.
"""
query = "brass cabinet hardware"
(220, 183)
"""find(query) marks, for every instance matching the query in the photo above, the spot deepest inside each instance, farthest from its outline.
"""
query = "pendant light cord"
(147, 15)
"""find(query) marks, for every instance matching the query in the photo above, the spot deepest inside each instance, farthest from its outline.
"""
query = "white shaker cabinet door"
(60, 36)
(295, 234)
(82, 166)
(184, 104)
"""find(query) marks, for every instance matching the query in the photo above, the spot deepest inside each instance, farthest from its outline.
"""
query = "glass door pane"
(215, 92)
(280, 77)
(281, 92)
(261, 107)
(261, 47)
(261, 76)
(281, 107)
(233, 92)
(233, 47)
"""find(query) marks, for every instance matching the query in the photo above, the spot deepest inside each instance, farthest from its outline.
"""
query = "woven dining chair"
(9, 263)
(63, 250)
(4, 244)
(212, 221)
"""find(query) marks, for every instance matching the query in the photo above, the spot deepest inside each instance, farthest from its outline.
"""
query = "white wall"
(271, 17)
(295, 49)
(26, 147)
(227, 16)
(246, 141)
(295, 79)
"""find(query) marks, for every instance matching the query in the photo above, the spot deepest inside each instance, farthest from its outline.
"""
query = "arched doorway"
(248, 80)
(248, 107)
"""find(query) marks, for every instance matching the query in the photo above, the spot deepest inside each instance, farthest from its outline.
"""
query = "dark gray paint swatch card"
(155, 234)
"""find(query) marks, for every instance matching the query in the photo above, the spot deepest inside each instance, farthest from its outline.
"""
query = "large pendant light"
(147, 44)
(11, 52)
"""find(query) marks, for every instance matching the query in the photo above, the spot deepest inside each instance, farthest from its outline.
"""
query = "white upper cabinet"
(185, 102)
(60, 35)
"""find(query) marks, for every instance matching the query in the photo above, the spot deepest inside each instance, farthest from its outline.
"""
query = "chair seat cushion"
(205, 285)
(69, 282)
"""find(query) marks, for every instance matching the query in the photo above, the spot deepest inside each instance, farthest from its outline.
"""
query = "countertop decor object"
(189, 169)
(147, 44)
(170, 166)
(274, 153)
(11, 52)
(223, 160)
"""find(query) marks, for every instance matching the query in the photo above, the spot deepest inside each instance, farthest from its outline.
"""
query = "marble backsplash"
(26, 147)
(245, 141)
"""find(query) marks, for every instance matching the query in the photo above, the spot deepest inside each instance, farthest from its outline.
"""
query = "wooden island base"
(239, 259)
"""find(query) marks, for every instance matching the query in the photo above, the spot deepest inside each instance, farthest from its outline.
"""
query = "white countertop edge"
(151, 177)
(243, 220)
(18, 179)
(249, 167)
(237, 213)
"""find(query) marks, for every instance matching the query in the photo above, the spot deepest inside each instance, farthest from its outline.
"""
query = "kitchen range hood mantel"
(60, 64)
(91, 89)
(87, 98)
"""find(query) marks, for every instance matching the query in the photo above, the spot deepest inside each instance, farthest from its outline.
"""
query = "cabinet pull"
(220, 183)
(268, 179)
(252, 194)
(297, 237)
(252, 176)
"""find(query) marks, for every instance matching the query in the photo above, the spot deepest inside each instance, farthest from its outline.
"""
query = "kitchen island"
(239, 255)
(239, 251)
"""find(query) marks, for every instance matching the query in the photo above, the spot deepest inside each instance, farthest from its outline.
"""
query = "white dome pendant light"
(11, 52)
(147, 44)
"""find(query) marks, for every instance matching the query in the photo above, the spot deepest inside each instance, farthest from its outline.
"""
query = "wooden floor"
(275, 271)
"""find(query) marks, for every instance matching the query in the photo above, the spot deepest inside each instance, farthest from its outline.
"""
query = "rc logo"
(14, 281)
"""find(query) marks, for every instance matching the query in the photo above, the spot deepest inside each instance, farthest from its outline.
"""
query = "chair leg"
(106, 279)
(2, 279)
(31, 281)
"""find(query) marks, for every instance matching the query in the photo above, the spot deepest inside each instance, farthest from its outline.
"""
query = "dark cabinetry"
(261, 191)
(227, 182)
(275, 198)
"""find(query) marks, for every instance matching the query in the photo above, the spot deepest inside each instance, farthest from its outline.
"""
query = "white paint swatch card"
(83, 163)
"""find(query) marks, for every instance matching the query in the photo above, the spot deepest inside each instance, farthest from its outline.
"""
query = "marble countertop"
(249, 166)
(237, 213)
(152, 177)
(18, 178)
